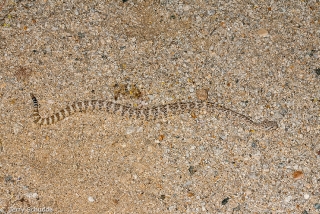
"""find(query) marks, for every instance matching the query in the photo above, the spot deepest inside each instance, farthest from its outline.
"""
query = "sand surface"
(258, 58)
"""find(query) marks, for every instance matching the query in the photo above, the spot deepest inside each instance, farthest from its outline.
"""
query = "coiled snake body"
(148, 113)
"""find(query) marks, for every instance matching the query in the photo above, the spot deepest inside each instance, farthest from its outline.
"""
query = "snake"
(141, 113)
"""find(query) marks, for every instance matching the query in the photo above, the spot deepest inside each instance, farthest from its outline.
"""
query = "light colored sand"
(258, 59)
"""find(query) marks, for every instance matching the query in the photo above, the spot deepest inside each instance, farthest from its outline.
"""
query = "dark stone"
(225, 201)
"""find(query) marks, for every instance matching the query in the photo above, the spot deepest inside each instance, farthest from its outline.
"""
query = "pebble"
(130, 130)
(263, 32)
(139, 129)
(225, 201)
(17, 128)
(297, 174)
(306, 196)
(317, 206)
(186, 8)
(91, 199)
(248, 192)
(211, 12)
(192, 170)
(172, 208)
(188, 183)
(288, 199)
(223, 137)
(8, 178)
(202, 94)
(33, 195)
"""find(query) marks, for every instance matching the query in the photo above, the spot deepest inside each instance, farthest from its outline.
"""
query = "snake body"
(147, 113)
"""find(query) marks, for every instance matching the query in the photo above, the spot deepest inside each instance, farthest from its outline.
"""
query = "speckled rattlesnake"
(148, 113)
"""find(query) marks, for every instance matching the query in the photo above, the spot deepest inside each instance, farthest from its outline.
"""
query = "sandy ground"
(258, 59)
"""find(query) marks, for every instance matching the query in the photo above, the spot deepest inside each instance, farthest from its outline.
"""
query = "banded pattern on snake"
(148, 113)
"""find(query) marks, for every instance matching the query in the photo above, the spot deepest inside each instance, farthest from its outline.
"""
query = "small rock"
(287, 199)
(116, 201)
(211, 12)
(317, 206)
(8, 178)
(188, 183)
(192, 170)
(225, 201)
(248, 192)
(306, 196)
(32, 195)
(263, 33)
(190, 194)
(161, 137)
(140, 129)
(172, 208)
(223, 137)
(202, 94)
(50, 102)
(91, 199)
(17, 128)
(186, 8)
(297, 174)
(130, 130)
